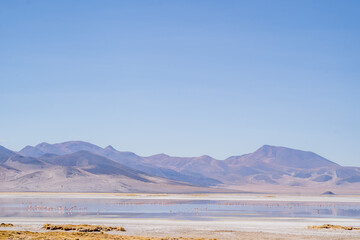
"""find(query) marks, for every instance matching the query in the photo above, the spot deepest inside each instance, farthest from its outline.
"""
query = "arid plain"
(272, 193)
(205, 226)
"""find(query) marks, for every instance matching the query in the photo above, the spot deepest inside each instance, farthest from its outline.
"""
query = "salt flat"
(210, 196)
(224, 228)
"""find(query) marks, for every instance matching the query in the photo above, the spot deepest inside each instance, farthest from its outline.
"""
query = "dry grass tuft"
(330, 226)
(131, 195)
(6, 225)
(82, 227)
(157, 195)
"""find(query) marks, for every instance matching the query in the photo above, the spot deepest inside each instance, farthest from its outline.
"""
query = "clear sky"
(185, 78)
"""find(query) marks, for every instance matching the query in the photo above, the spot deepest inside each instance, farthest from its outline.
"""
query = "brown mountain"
(278, 157)
(269, 168)
(81, 171)
(126, 158)
(269, 164)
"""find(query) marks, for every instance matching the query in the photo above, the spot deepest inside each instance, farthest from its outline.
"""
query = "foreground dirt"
(60, 235)
(138, 229)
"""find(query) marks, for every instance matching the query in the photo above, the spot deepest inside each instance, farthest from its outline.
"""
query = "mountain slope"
(94, 163)
(59, 148)
(81, 171)
(5, 154)
(126, 158)
(269, 168)
(280, 157)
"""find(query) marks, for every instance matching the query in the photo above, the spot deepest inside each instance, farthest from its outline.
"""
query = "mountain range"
(78, 166)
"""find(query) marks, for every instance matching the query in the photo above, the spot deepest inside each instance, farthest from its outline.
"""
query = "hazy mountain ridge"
(275, 167)
(82, 171)
(127, 158)
(268, 164)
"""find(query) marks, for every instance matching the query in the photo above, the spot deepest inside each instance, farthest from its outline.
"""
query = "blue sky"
(185, 78)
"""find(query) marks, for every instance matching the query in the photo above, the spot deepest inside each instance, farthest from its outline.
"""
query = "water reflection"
(172, 209)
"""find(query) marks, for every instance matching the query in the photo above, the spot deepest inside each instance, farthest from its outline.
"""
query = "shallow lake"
(171, 209)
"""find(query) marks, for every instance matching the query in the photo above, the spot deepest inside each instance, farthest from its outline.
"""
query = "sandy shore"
(225, 229)
(254, 228)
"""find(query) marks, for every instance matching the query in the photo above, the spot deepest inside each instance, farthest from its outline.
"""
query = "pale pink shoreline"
(210, 196)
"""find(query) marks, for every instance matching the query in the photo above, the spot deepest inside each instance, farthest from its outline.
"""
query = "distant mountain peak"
(42, 144)
(159, 155)
(267, 146)
(269, 150)
(290, 157)
(31, 151)
(77, 142)
(272, 147)
(205, 157)
(110, 148)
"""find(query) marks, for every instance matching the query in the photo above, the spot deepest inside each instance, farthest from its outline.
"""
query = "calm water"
(171, 209)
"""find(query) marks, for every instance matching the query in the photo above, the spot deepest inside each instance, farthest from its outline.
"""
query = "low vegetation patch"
(82, 228)
(26, 235)
(157, 195)
(330, 226)
(270, 196)
(131, 194)
(6, 225)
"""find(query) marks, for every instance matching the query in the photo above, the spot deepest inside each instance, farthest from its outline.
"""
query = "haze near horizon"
(183, 78)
